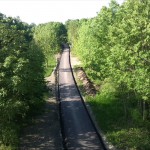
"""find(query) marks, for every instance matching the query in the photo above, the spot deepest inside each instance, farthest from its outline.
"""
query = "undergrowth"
(125, 132)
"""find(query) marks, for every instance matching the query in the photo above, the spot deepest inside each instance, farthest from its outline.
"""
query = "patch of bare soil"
(81, 76)
(44, 133)
(87, 84)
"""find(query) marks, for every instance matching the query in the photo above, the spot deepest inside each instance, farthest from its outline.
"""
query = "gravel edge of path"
(45, 133)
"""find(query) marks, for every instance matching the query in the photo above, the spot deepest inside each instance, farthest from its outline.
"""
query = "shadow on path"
(44, 133)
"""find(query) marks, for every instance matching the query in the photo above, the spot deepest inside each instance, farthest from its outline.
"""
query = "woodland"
(26, 57)
(114, 48)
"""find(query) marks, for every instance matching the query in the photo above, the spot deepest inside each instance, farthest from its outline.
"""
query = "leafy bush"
(132, 138)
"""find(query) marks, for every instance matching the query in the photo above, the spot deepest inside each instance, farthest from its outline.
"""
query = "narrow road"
(78, 129)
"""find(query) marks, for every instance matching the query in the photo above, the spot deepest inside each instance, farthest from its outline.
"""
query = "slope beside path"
(44, 133)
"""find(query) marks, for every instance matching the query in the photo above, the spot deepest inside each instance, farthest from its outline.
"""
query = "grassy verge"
(124, 131)
(51, 65)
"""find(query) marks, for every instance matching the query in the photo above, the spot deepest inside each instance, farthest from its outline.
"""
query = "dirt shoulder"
(80, 76)
(44, 133)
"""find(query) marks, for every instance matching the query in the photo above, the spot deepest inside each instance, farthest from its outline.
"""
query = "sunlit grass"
(125, 133)
(51, 64)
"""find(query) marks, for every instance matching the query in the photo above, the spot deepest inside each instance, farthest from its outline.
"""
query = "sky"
(42, 11)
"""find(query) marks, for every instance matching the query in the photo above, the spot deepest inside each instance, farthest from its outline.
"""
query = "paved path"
(79, 131)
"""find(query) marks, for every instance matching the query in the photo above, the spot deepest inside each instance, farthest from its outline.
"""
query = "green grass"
(3, 147)
(50, 67)
(9, 136)
(126, 133)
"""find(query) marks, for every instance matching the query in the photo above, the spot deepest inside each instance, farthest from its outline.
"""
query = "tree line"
(115, 44)
(114, 48)
(24, 50)
(50, 37)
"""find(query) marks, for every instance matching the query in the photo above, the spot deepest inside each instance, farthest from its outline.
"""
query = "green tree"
(21, 77)
(49, 37)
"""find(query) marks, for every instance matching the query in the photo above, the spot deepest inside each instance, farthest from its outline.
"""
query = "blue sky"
(41, 11)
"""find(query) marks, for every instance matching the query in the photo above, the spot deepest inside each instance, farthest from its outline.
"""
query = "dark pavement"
(78, 128)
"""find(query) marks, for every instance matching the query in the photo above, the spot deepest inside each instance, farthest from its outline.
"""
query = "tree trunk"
(146, 110)
(124, 100)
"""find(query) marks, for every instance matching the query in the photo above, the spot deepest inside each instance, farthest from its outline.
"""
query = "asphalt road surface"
(78, 129)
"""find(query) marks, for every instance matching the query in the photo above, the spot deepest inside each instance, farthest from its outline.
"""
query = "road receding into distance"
(78, 130)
